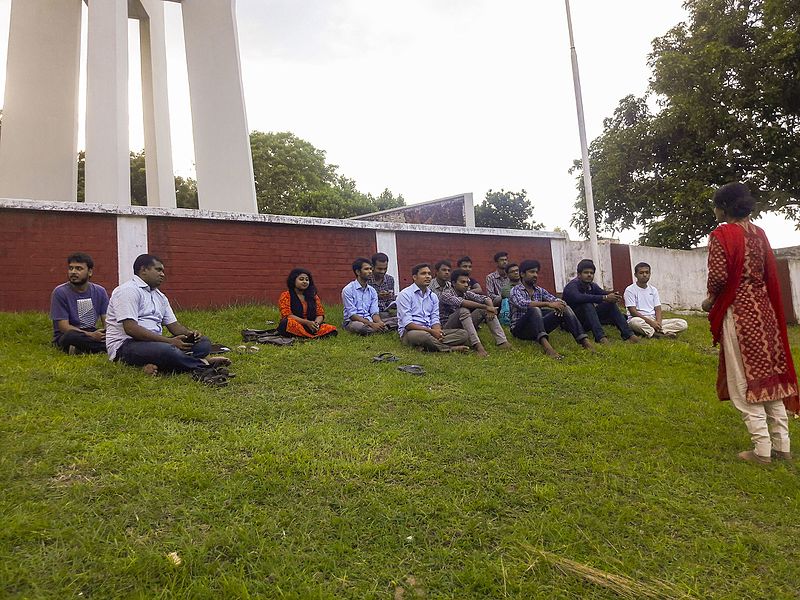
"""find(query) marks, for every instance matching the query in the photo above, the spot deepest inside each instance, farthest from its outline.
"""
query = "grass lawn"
(317, 474)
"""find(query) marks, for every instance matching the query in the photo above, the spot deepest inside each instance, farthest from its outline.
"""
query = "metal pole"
(587, 171)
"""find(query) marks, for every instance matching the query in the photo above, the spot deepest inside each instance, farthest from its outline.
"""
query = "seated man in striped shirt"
(460, 308)
(535, 312)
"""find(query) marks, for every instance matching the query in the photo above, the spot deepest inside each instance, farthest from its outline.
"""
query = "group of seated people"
(440, 311)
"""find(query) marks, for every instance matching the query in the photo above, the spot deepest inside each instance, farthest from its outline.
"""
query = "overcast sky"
(430, 97)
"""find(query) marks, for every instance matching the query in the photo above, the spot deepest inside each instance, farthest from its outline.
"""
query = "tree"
(185, 188)
(506, 210)
(293, 178)
(726, 88)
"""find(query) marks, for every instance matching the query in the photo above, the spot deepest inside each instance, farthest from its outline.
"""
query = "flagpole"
(587, 171)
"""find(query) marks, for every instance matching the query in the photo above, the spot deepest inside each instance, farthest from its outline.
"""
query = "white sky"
(430, 97)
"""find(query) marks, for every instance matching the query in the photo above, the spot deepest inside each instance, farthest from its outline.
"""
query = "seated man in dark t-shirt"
(76, 307)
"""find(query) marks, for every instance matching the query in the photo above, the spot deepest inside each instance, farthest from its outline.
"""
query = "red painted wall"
(621, 273)
(417, 247)
(216, 263)
(39, 243)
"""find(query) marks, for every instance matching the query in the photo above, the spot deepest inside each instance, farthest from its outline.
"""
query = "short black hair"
(640, 266)
(527, 265)
(586, 263)
(463, 259)
(379, 257)
(357, 263)
(510, 266)
(458, 273)
(81, 257)
(144, 261)
(735, 199)
(417, 268)
(499, 255)
(439, 264)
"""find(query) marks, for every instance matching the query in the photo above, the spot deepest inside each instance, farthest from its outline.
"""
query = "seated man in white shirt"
(360, 302)
(644, 306)
(137, 312)
(418, 317)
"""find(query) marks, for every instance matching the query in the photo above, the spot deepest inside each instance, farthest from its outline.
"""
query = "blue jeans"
(594, 316)
(165, 356)
(538, 322)
(82, 342)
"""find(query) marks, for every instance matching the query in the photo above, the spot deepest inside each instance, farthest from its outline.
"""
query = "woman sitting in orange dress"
(302, 313)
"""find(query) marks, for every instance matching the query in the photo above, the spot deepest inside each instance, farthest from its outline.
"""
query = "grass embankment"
(317, 474)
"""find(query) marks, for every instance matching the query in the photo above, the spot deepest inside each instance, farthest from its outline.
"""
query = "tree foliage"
(726, 91)
(293, 178)
(185, 188)
(506, 210)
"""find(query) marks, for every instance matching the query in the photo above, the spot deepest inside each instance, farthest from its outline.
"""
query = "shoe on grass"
(751, 456)
(777, 454)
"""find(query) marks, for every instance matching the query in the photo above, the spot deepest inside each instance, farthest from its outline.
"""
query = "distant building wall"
(457, 211)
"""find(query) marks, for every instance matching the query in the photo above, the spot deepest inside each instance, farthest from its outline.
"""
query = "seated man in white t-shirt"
(644, 307)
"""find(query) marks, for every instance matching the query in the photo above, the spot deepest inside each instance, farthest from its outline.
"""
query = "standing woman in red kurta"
(302, 313)
(756, 371)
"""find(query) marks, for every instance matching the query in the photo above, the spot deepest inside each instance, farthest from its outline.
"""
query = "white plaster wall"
(678, 275)
(558, 249)
(131, 242)
(386, 242)
(580, 249)
(794, 274)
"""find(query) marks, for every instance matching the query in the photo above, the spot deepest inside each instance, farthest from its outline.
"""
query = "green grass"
(317, 474)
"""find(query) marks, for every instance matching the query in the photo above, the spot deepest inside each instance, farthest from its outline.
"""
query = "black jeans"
(594, 316)
(82, 342)
(538, 322)
(165, 356)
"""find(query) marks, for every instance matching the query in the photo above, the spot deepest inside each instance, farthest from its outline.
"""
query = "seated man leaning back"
(136, 314)
(418, 317)
(76, 307)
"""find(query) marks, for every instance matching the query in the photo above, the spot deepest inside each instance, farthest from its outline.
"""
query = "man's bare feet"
(634, 339)
(461, 349)
(481, 351)
(150, 369)
(218, 361)
(549, 350)
(588, 345)
(505, 346)
(671, 335)
(604, 340)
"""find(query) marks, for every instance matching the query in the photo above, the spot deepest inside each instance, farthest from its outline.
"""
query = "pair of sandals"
(266, 336)
(389, 357)
(214, 376)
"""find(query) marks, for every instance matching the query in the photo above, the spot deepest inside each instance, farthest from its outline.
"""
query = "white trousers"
(766, 421)
(641, 327)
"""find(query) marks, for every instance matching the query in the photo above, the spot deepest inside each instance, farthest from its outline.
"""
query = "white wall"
(679, 275)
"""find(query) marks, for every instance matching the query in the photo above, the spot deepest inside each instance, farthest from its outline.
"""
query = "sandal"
(209, 376)
(385, 357)
(412, 369)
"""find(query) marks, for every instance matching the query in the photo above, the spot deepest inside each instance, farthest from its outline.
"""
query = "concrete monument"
(39, 137)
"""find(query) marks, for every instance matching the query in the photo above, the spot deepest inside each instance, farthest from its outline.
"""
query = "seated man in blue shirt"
(535, 312)
(418, 317)
(76, 307)
(136, 314)
(595, 306)
(360, 301)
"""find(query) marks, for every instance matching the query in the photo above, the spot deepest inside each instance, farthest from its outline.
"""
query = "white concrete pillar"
(155, 104)
(386, 242)
(131, 242)
(107, 145)
(219, 121)
(558, 251)
(38, 147)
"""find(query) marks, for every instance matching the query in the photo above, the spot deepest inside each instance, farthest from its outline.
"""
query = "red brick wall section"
(784, 278)
(621, 273)
(37, 243)
(217, 263)
(417, 247)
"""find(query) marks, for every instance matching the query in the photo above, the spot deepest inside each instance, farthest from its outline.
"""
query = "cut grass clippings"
(319, 474)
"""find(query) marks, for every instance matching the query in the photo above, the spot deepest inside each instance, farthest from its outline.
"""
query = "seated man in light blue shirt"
(418, 317)
(137, 312)
(360, 301)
